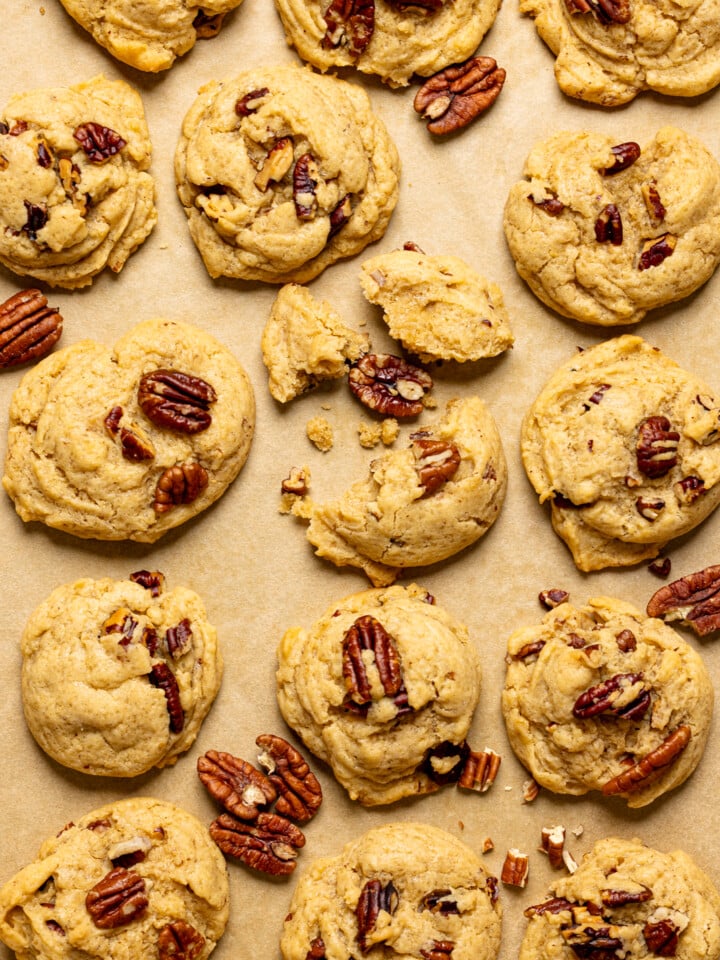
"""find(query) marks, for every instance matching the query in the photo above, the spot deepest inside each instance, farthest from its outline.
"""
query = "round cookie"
(627, 900)
(608, 52)
(281, 172)
(603, 232)
(150, 35)
(373, 688)
(169, 880)
(387, 38)
(419, 505)
(118, 676)
(437, 306)
(75, 194)
(605, 698)
(131, 441)
(624, 444)
(435, 898)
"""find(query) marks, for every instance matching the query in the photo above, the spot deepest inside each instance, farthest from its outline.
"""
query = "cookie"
(605, 698)
(376, 686)
(134, 878)
(389, 38)
(406, 889)
(438, 307)
(421, 504)
(118, 675)
(608, 52)
(281, 172)
(627, 900)
(305, 342)
(125, 443)
(75, 194)
(151, 35)
(624, 444)
(604, 232)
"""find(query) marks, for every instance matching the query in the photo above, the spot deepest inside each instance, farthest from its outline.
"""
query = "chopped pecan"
(44, 156)
(656, 446)
(608, 226)
(70, 177)
(236, 784)
(554, 905)
(276, 164)
(549, 205)
(117, 899)
(296, 482)
(592, 942)
(597, 395)
(389, 384)
(99, 142)
(374, 898)
(29, 328)
(653, 252)
(134, 442)
(625, 155)
(515, 868)
(178, 639)
(444, 764)
(162, 676)
(151, 580)
(427, 6)
(179, 940)
(208, 25)
(441, 901)
(480, 770)
(126, 853)
(689, 489)
(661, 938)
(180, 484)
(437, 950)
(553, 598)
(605, 11)
(454, 97)
(619, 898)
(650, 510)
(531, 790)
(317, 950)
(436, 461)
(621, 696)
(626, 641)
(121, 621)
(250, 102)
(305, 181)
(529, 649)
(650, 766)
(340, 215)
(20, 126)
(661, 567)
(269, 845)
(299, 792)
(552, 842)
(37, 217)
(367, 633)
(176, 400)
(694, 600)
(653, 203)
(349, 23)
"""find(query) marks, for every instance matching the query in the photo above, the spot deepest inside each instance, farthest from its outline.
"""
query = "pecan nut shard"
(603, 699)
(437, 763)
(176, 400)
(207, 25)
(650, 766)
(656, 447)
(661, 938)
(299, 791)
(161, 676)
(437, 462)
(454, 97)
(655, 251)
(180, 484)
(117, 899)
(305, 181)
(608, 226)
(694, 600)
(269, 845)
(236, 784)
(389, 385)
(99, 142)
(29, 328)
(179, 940)
(625, 154)
(349, 23)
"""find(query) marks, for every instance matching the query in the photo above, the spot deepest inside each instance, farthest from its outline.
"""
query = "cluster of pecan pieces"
(263, 840)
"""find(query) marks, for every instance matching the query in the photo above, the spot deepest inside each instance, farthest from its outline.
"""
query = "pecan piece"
(653, 203)
(176, 400)
(37, 217)
(250, 102)
(552, 842)
(661, 567)
(444, 764)
(276, 164)
(339, 216)
(367, 633)
(436, 461)
(151, 580)
(653, 252)
(298, 789)
(529, 649)
(437, 950)
(427, 6)
(162, 676)
(374, 898)
(269, 845)
(619, 898)
(236, 784)
(179, 940)
(296, 482)
(349, 23)
(604, 11)
(661, 938)
(178, 639)
(618, 696)
(694, 600)
(608, 226)
(515, 868)
(689, 489)
(440, 901)
(656, 447)
(317, 950)
(134, 443)
(44, 156)
(29, 328)
(117, 899)
(126, 853)
(389, 384)
(455, 96)
(553, 598)
(480, 770)
(625, 154)
(99, 142)
(554, 905)
(626, 641)
(180, 484)
(305, 181)
(650, 766)
(208, 25)
(550, 205)
(650, 510)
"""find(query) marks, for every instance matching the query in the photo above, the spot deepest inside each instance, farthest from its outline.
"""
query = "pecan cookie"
(377, 686)
(627, 900)
(608, 51)
(126, 443)
(75, 194)
(624, 444)
(136, 878)
(281, 172)
(118, 675)
(150, 35)
(406, 889)
(438, 307)
(604, 231)
(605, 698)
(419, 505)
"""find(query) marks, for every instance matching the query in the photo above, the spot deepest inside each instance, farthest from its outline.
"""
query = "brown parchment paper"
(253, 566)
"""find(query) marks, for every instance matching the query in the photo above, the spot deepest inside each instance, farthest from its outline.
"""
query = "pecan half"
(179, 940)
(99, 142)
(367, 633)
(29, 328)
(441, 901)
(625, 154)
(349, 23)
(444, 764)
(236, 784)
(389, 384)
(250, 102)
(117, 899)
(436, 461)
(208, 25)
(298, 789)
(650, 766)
(653, 252)
(694, 600)
(454, 97)
(276, 164)
(180, 484)
(162, 676)
(608, 226)
(480, 770)
(656, 446)
(176, 400)
(135, 445)
(374, 898)
(305, 181)
(269, 845)
(619, 696)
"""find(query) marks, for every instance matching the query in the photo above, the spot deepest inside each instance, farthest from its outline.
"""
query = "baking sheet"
(253, 566)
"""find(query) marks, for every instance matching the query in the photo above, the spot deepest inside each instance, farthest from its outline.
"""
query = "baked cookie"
(437, 306)
(126, 443)
(624, 444)
(608, 51)
(118, 675)
(603, 232)
(376, 686)
(75, 194)
(406, 889)
(605, 698)
(281, 172)
(305, 342)
(150, 35)
(135, 878)
(419, 505)
(389, 38)
(627, 900)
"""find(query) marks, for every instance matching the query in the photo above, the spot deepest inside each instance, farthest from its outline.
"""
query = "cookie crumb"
(430, 403)
(578, 831)
(487, 845)
(320, 432)
(389, 431)
(369, 434)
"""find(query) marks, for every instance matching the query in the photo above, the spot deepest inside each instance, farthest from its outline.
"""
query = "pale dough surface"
(87, 694)
(579, 443)
(65, 469)
(560, 257)
(378, 757)
(417, 859)
(184, 873)
(96, 216)
(250, 233)
(574, 755)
